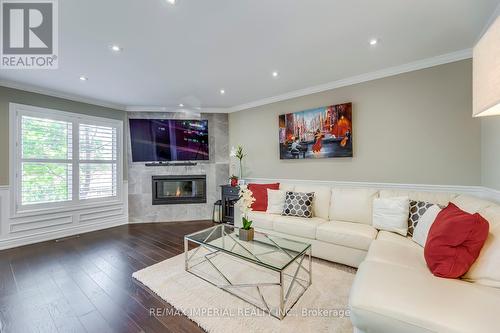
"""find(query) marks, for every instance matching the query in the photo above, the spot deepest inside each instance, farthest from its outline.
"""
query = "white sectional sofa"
(393, 290)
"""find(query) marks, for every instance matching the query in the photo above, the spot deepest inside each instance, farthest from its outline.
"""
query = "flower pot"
(234, 182)
(246, 235)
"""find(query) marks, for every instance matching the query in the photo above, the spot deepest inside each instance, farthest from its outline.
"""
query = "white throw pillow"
(391, 214)
(424, 225)
(275, 201)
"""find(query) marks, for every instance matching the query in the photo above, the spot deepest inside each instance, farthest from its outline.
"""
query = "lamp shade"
(486, 73)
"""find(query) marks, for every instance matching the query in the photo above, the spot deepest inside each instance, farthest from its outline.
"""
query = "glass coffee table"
(269, 272)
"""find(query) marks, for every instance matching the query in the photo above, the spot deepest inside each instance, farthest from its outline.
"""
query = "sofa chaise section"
(388, 297)
(394, 291)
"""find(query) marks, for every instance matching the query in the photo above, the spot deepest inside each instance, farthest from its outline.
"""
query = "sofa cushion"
(327, 251)
(440, 198)
(352, 204)
(391, 298)
(396, 238)
(297, 226)
(470, 204)
(321, 201)
(354, 235)
(404, 253)
(391, 214)
(486, 269)
(454, 242)
(261, 220)
(287, 187)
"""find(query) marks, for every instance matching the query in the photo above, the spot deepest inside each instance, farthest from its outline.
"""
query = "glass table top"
(265, 250)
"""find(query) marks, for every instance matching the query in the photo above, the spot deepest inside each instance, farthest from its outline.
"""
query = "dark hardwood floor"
(85, 284)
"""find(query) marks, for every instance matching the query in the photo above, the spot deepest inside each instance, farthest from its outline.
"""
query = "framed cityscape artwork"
(324, 132)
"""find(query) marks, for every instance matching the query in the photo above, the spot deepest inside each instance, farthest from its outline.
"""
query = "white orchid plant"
(240, 155)
(245, 203)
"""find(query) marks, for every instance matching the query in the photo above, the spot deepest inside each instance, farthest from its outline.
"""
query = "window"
(62, 158)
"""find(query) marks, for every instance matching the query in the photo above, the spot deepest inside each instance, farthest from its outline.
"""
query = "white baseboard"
(34, 229)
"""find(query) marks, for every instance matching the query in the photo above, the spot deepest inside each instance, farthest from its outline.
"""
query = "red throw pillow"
(260, 194)
(454, 242)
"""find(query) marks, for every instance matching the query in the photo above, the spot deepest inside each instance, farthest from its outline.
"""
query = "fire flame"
(178, 192)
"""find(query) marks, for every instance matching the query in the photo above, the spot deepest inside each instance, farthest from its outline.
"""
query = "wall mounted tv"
(157, 140)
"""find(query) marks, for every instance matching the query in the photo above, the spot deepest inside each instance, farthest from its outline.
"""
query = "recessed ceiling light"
(83, 78)
(172, 2)
(181, 105)
(116, 48)
(373, 41)
(222, 91)
(275, 74)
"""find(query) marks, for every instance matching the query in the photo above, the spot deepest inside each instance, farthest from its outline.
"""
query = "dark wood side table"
(230, 194)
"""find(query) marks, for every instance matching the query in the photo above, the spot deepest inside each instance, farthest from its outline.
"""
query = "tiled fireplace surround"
(216, 170)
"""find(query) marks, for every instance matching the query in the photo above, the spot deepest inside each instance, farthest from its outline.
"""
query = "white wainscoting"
(491, 194)
(23, 230)
(477, 191)
(18, 231)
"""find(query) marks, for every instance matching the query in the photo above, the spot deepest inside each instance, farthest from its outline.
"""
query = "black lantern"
(217, 213)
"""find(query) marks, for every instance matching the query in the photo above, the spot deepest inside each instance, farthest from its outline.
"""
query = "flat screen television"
(157, 140)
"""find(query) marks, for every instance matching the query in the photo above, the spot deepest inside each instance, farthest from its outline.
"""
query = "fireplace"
(169, 190)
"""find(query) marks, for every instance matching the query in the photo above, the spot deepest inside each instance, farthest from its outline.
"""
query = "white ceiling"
(186, 53)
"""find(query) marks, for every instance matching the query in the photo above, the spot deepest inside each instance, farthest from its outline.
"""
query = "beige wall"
(490, 144)
(8, 95)
(415, 127)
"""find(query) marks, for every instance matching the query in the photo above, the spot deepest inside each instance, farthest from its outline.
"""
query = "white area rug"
(322, 308)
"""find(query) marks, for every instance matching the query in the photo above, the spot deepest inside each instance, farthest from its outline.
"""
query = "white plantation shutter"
(97, 143)
(46, 166)
(98, 161)
(64, 159)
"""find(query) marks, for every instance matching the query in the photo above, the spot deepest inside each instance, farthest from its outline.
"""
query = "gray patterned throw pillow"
(298, 204)
(417, 209)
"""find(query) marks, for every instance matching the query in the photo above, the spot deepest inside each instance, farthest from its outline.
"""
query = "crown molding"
(391, 71)
(139, 108)
(58, 94)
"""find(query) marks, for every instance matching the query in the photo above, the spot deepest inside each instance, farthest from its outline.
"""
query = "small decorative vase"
(246, 235)
(234, 182)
